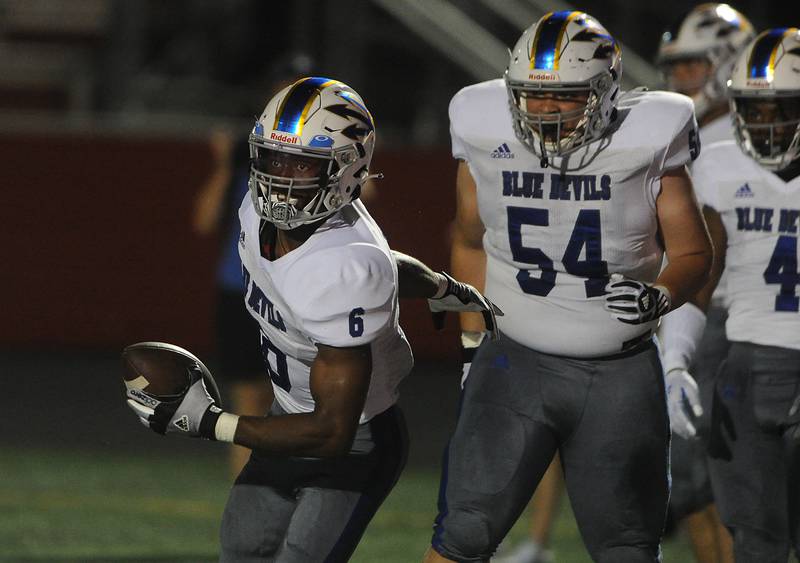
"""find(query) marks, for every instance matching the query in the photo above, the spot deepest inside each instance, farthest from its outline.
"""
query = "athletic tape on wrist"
(470, 341)
(225, 429)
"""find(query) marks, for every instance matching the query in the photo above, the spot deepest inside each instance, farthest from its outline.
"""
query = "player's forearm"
(415, 279)
(685, 276)
(719, 243)
(306, 434)
(468, 263)
(702, 299)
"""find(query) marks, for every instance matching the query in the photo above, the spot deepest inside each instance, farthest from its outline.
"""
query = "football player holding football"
(696, 57)
(569, 192)
(751, 189)
(323, 286)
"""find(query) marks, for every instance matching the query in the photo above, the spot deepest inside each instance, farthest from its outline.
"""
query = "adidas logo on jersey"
(502, 152)
(744, 191)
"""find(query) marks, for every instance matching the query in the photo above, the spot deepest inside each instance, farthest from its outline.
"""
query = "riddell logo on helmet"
(282, 137)
(758, 83)
(543, 76)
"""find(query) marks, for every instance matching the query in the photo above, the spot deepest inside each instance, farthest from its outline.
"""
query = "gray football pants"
(755, 451)
(606, 417)
(301, 510)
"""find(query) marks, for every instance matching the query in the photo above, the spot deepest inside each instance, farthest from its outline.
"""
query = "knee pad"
(464, 535)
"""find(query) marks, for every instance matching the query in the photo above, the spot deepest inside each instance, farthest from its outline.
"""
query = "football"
(164, 370)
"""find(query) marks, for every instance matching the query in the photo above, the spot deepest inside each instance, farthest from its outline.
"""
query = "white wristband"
(225, 429)
(680, 333)
(471, 339)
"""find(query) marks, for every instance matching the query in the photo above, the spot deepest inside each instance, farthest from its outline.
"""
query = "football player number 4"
(782, 270)
(585, 239)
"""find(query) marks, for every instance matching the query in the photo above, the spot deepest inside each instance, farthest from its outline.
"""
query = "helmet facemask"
(292, 185)
(768, 128)
(558, 134)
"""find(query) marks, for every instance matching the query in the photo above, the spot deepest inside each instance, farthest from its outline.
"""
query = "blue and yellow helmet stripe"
(291, 116)
(765, 51)
(546, 48)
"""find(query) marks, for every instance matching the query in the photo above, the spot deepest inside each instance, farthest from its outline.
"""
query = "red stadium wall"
(98, 251)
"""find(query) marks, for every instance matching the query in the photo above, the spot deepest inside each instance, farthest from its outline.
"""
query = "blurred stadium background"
(107, 108)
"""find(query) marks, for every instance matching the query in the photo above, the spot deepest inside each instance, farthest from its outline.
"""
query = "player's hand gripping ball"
(170, 389)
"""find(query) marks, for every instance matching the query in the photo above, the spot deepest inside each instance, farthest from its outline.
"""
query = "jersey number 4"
(782, 269)
(585, 235)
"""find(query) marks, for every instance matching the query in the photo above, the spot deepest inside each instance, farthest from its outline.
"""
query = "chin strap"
(543, 162)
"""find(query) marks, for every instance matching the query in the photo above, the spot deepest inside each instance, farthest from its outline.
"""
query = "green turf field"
(84, 506)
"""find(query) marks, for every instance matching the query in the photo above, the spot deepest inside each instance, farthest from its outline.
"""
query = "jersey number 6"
(586, 234)
(280, 373)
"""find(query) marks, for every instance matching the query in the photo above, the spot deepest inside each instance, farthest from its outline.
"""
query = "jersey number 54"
(586, 234)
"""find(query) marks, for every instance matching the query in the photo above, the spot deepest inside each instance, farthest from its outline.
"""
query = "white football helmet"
(712, 32)
(315, 120)
(765, 98)
(562, 53)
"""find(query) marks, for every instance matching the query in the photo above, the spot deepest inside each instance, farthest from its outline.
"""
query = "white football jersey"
(553, 237)
(720, 129)
(760, 213)
(339, 288)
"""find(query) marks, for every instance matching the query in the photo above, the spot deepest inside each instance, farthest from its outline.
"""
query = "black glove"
(633, 302)
(461, 297)
(194, 414)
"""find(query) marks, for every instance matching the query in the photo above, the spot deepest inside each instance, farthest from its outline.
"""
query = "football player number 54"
(586, 236)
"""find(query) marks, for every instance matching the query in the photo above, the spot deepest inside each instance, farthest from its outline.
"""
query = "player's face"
(782, 113)
(285, 165)
(554, 107)
(687, 76)
(295, 167)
